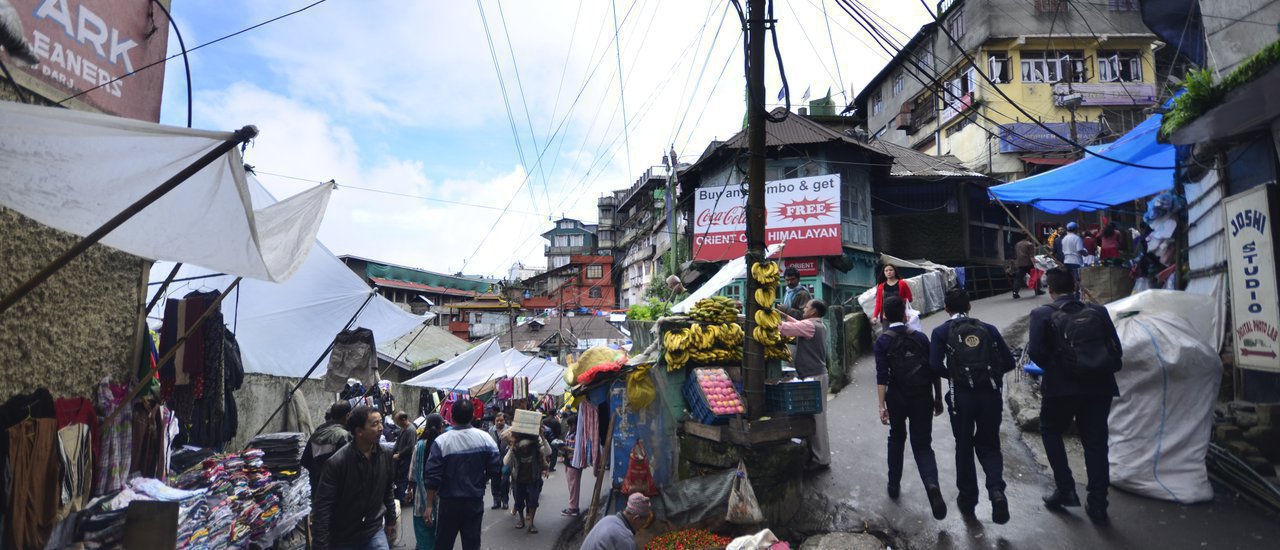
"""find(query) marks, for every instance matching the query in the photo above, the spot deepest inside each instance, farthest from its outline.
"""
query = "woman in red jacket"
(890, 285)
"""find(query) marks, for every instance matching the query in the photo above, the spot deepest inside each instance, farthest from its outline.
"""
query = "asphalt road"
(857, 481)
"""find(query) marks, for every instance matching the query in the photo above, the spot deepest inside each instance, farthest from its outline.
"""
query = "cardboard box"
(527, 422)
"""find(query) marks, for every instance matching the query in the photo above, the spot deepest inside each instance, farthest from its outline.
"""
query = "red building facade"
(585, 282)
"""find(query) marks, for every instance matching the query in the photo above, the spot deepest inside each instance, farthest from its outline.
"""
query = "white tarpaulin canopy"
(283, 327)
(733, 269)
(74, 171)
(488, 364)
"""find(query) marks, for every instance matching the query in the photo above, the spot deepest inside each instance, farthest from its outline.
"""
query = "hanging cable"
(186, 61)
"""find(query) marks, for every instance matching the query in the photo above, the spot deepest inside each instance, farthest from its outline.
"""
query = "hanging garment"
(145, 457)
(76, 455)
(34, 496)
(586, 446)
(112, 470)
(21, 407)
(169, 430)
(520, 387)
(506, 388)
(353, 356)
(79, 410)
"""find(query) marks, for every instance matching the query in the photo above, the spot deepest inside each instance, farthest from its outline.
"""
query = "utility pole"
(753, 367)
(1072, 102)
(671, 208)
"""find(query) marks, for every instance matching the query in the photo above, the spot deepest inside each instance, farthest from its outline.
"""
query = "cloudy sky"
(400, 103)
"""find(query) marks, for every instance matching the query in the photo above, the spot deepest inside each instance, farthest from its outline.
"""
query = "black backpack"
(908, 364)
(1087, 345)
(971, 350)
(528, 457)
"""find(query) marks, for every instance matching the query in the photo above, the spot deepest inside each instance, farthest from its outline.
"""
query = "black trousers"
(914, 414)
(975, 422)
(459, 517)
(1020, 280)
(1090, 415)
(501, 488)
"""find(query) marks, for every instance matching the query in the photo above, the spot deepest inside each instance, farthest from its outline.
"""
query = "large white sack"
(1161, 423)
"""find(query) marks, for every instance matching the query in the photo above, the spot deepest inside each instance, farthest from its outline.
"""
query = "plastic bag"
(913, 318)
(763, 540)
(743, 508)
(640, 390)
(639, 478)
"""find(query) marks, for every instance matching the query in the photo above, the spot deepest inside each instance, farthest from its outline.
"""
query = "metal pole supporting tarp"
(240, 136)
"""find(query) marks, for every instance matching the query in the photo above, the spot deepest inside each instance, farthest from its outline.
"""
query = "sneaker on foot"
(495, 506)
(1098, 515)
(893, 490)
(936, 501)
(570, 513)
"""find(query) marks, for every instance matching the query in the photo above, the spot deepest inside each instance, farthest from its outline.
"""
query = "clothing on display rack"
(506, 388)
(586, 445)
(200, 387)
(355, 356)
(112, 468)
(520, 389)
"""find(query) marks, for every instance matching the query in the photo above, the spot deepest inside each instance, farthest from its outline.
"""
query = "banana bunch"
(703, 343)
(777, 352)
(715, 310)
(766, 273)
(766, 331)
(766, 295)
(718, 355)
(676, 344)
(730, 336)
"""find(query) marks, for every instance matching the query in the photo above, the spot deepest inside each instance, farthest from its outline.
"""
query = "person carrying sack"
(974, 357)
(910, 396)
(527, 458)
(1077, 346)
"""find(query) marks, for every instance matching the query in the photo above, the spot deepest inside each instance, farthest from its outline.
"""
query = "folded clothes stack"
(282, 451)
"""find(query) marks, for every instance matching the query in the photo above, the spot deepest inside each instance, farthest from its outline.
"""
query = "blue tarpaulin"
(1094, 183)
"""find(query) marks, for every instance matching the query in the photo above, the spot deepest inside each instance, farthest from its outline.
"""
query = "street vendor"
(811, 364)
(619, 530)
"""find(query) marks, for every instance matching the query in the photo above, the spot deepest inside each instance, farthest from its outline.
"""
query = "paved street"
(499, 531)
(857, 480)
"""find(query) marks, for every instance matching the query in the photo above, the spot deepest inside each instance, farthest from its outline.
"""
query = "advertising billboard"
(81, 44)
(804, 213)
(1251, 261)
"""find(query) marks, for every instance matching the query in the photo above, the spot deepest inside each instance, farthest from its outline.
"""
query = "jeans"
(917, 412)
(459, 517)
(501, 488)
(975, 421)
(1090, 414)
(377, 542)
(527, 495)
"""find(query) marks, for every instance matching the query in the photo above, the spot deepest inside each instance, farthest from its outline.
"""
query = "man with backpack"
(527, 459)
(974, 357)
(1077, 347)
(910, 396)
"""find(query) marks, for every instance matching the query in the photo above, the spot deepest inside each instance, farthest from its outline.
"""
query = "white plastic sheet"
(283, 327)
(74, 171)
(733, 269)
(1161, 423)
(454, 372)
(486, 363)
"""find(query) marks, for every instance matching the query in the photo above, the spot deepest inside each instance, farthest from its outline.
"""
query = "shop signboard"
(1251, 261)
(804, 213)
(83, 44)
(807, 267)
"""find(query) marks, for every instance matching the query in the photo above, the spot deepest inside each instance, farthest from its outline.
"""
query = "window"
(559, 261)
(1122, 5)
(897, 84)
(1119, 66)
(926, 59)
(998, 67)
(566, 224)
(1052, 67)
(595, 271)
(955, 25)
(562, 240)
(575, 240)
(877, 104)
(733, 291)
(595, 292)
(1051, 6)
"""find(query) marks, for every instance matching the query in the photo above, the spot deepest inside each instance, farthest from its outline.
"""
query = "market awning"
(74, 171)
(1093, 183)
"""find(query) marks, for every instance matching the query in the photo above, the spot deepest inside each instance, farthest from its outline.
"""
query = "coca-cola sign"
(803, 213)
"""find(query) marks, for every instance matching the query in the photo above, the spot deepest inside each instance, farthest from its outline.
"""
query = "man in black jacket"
(325, 441)
(1087, 401)
(974, 401)
(354, 503)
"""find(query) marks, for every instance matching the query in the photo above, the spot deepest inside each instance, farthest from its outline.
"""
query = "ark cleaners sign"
(804, 213)
(1255, 305)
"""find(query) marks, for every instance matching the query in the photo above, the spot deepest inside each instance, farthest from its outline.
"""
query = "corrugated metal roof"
(908, 162)
(794, 130)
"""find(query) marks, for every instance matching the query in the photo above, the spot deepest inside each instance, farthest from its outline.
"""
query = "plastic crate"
(794, 397)
(699, 409)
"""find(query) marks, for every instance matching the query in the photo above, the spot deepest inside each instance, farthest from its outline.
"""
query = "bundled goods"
(242, 505)
(282, 452)
(716, 310)
(602, 369)
(688, 539)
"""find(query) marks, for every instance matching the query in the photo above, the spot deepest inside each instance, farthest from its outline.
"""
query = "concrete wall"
(78, 326)
(262, 393)
(1237, 29)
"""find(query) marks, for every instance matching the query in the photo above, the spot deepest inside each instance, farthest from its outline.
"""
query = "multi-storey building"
(644, 238)
(421, 291)
(1085, 69)
(585, 283)
(569, 237)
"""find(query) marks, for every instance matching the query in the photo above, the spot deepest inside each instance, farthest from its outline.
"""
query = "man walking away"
(618, 532)
(460, 462)
(910, 396)
(500, 485)
(1077, 346)
(794, 297)
(527, 460)
(974, 356)
(403, 452)
(1026, 259)
(811, 364)
(325, 441)
(354, 506)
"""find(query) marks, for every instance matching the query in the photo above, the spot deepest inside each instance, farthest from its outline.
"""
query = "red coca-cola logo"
(806, 209)
(733, 216)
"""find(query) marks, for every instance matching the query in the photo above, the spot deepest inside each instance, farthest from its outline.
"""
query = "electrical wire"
(186, 61)
(393, 193)
(511, 121)
(834, 58)
(209, 43)
(622, 82)
(524, 101)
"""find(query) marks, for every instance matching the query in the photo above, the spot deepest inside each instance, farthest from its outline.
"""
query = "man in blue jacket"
(1068, 395)
(974, 357)
(910, 396)
(460, 462)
